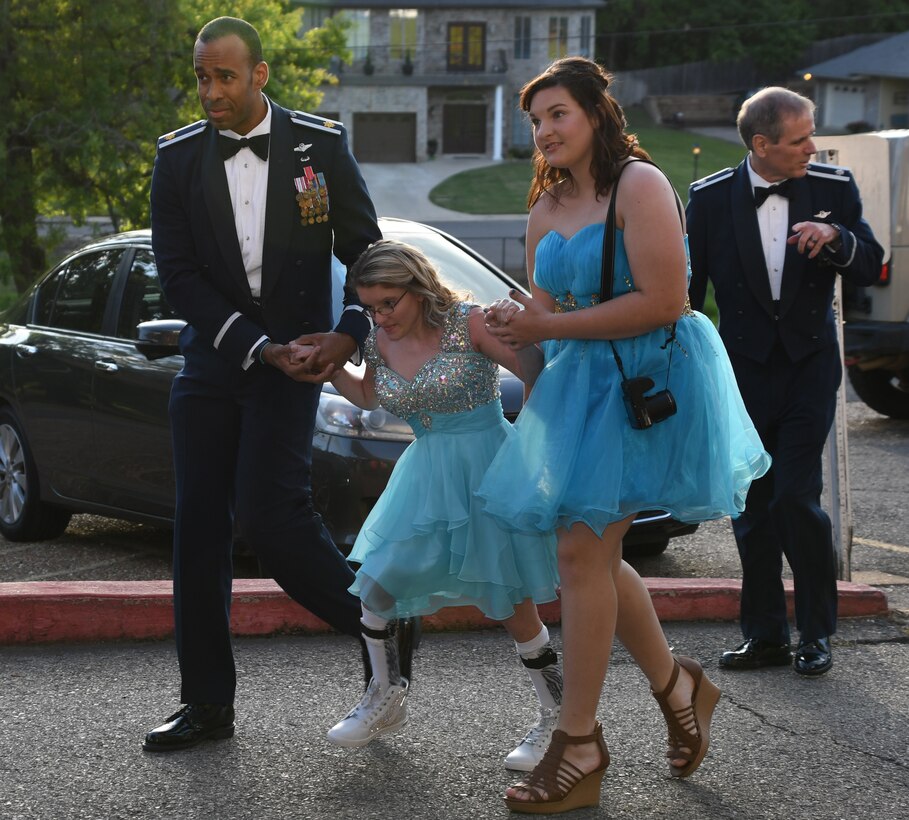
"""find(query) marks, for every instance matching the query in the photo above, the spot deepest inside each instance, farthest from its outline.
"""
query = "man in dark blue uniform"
(772, 235)
(247, 209)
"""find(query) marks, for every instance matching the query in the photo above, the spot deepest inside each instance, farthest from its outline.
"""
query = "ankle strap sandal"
(556, 784)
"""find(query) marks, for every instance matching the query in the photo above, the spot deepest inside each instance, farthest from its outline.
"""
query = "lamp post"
(695, 152)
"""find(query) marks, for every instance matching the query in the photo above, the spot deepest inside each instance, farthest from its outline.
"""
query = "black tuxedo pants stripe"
(792, 405)
(243, 450)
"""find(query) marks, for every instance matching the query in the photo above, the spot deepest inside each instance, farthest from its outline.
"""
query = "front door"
(463, 129)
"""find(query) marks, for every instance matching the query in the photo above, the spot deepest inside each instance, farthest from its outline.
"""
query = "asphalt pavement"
(782, 746)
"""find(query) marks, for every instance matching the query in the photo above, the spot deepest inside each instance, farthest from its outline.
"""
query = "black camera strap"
(607, 271)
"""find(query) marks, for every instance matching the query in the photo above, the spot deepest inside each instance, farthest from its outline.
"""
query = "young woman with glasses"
(426, 544)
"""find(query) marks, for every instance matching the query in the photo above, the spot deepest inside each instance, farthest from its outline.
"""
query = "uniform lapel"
(748, 237)
(217, 198)
(280, 204)
(794, 267)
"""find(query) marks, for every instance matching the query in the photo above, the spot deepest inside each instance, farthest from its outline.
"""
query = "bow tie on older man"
(780, 189)
(228, 146)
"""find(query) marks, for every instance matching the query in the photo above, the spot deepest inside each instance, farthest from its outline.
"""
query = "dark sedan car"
(87, 357)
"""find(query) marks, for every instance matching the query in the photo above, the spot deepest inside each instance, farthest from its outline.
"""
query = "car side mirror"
(159, 338)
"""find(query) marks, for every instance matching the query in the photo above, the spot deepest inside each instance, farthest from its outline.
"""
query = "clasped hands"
(312, 358)
(518, 321)
(812, 236)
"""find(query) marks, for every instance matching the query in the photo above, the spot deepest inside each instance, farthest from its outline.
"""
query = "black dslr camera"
(645, 411)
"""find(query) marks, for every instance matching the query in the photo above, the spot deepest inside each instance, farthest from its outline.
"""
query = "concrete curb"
(64, 611)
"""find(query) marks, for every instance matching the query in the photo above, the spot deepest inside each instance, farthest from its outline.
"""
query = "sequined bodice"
(456, 379)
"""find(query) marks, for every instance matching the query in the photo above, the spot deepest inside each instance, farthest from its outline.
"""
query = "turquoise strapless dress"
(576, 458)
(427, 543)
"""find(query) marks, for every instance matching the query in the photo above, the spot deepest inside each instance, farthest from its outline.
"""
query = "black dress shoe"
(194, 723)
(813, 657)
(755, 653)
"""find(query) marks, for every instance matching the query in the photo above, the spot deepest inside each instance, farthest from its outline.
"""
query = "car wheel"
(881, 391)
(647, 549)
(23, 515)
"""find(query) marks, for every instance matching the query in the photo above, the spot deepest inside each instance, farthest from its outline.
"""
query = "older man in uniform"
(772, 235)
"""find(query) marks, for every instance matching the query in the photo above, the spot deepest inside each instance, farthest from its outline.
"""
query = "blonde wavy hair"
(396, 264)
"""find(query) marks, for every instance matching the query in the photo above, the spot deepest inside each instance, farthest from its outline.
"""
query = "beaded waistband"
(569, 302)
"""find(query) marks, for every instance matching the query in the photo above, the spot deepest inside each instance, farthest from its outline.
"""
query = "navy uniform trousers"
(243, 441)
(792, 405)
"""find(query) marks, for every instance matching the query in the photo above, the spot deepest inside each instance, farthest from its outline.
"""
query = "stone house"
(443, 77)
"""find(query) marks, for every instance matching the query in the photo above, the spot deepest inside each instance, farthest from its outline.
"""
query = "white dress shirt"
(247, 180)
(773, 222)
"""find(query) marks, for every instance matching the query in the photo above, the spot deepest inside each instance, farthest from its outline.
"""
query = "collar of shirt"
(773, 223)
(263, 127)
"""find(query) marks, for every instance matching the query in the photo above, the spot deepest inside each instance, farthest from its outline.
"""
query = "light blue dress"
(427, 544)
(576, 457)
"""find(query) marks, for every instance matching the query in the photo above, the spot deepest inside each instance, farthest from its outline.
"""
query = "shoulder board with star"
(824, 171)
(313, 121)
(705, 182)
(182, 133)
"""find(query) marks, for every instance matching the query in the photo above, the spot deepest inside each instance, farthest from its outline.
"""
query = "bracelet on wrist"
(835, 245)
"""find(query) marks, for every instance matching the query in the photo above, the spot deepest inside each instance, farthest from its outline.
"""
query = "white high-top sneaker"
(376, 713)
(531, 749)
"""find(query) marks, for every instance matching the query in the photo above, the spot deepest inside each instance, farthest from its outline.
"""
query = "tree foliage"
(773, 33)
(90, 84)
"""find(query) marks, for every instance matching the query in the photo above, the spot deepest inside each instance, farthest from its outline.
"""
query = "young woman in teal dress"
(427, 544)
(575, 462)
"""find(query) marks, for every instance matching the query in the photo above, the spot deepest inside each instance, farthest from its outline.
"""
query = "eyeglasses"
(385, 307)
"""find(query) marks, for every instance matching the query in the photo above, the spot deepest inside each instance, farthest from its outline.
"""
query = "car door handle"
(24, 351)
(107, 367)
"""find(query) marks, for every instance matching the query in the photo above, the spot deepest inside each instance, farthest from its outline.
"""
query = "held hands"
(516, 327)
(312, 358)
(812, 237)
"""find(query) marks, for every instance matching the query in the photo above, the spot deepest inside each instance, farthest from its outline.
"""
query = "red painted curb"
(49, 611)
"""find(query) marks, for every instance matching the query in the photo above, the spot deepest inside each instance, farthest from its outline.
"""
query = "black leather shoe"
(755, 653)
(194, 723)
(813, 657)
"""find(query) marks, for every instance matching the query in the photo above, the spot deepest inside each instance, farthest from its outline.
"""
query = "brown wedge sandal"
(689, 728)
(556, 784)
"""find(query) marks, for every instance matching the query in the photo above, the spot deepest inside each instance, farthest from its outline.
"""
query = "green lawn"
(502, 189)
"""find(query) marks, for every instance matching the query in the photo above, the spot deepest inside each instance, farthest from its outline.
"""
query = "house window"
(584, 47)
(558, 37)
(314, 17)
(466, 46)
(358, 32)
(521, 38)
(402, 33)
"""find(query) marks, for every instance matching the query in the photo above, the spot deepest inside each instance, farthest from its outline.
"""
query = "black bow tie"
(780, 189)
(228, 146)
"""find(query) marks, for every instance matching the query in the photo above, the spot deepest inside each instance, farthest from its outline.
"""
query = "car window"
(460, 271)
(75, 297)
(143, 299)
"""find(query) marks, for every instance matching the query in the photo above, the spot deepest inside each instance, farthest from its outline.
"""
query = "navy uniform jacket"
(725, 247)
(198, 255)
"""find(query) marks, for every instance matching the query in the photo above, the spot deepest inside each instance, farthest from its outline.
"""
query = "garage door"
(385, 137)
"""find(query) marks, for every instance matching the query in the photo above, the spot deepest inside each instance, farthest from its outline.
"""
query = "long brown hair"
(587, 83)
